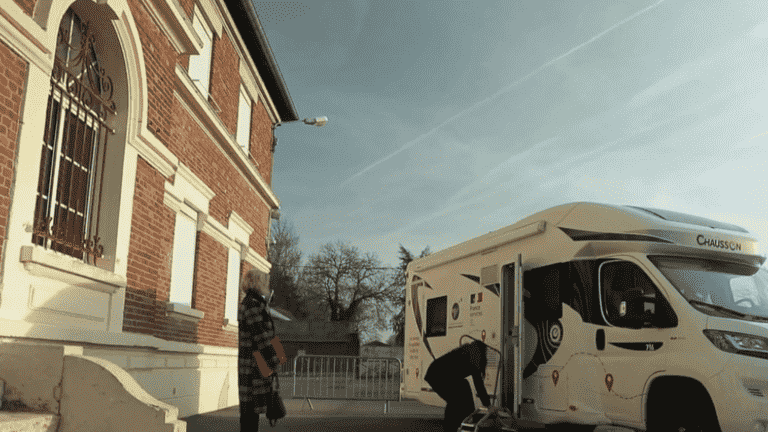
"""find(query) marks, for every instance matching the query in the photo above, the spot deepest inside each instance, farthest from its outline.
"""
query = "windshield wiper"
(718, 308)
(725, 310)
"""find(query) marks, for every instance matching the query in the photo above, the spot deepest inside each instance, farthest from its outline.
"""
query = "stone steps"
(28, 422)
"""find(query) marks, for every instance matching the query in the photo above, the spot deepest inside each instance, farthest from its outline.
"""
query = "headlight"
(738, 343)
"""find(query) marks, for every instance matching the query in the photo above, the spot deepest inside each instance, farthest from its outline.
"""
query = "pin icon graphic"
(417, 372)
(609, 381)
(555, 377)
(482, 335)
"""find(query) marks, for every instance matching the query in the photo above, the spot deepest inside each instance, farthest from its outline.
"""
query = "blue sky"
(451, 119)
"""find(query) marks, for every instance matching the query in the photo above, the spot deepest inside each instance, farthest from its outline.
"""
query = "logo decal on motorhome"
(717, 243)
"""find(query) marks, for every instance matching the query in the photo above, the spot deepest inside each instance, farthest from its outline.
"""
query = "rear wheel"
(681, 408)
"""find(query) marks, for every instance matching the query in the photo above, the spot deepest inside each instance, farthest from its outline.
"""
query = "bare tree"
(348, 286)
(285, 257)
(397, 322)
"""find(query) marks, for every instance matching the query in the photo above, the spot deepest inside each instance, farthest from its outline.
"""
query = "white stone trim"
(211, 13)
(189, 96)
(183, 312)
(195, 192)
(49, 264)
(241, 231)
(174, 24)
(25, 47)
(219, 232)
(120, 341)
(257, 261)
(230, 326)
(36, 266)
(252, 87)
(138, 136)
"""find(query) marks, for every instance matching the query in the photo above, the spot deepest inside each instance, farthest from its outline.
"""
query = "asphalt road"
(317, 424)
(341, 416)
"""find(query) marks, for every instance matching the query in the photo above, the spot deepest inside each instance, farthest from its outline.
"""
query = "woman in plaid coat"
(256, 330)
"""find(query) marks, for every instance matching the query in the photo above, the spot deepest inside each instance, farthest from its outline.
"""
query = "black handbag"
(275, 406)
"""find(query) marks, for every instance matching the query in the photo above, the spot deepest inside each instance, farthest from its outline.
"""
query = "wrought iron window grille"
(73, 155)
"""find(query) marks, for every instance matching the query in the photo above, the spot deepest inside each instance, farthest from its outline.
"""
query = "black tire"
(689, 410)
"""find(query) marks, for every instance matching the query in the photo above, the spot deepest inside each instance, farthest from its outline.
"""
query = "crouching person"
(447, 377)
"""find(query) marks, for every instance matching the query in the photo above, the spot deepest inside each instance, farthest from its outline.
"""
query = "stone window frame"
(244, 117)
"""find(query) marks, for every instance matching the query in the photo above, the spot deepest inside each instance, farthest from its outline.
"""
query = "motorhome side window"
(629, 297)
(437, 316)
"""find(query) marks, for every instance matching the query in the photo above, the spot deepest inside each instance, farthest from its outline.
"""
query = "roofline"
(554, 217)
(261, 53)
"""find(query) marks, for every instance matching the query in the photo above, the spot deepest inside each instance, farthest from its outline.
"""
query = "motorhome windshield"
(718, 288)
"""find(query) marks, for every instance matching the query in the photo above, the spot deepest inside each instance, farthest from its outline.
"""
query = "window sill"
(230, 325)
(183, 312)
(46, 263)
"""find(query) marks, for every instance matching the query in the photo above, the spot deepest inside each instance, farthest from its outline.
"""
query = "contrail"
(421, 137)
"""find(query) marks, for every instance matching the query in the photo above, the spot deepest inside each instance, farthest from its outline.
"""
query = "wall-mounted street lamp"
(274, 214)
(317, 121)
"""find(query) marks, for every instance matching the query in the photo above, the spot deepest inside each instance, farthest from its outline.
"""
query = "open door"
(512, 329)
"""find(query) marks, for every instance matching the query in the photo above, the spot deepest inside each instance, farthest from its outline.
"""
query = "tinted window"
(630, 299)
(437, 317)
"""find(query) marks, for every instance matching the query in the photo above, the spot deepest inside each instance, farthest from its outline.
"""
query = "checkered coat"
(256, 331)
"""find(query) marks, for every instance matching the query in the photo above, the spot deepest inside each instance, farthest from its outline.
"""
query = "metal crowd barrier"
(347, 377)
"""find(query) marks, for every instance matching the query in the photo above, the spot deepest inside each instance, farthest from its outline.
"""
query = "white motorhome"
(602, 314)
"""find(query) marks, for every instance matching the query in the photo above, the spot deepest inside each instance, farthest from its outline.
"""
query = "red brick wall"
(151, 245)
(261, 141)
(28, 6)
(160, 60)
(205, 160)
(225, 80)
(210, 291)
(150, 248)
(13, 77)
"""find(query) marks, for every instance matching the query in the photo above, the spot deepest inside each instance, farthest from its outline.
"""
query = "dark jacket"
(466, 360)
(256, 330)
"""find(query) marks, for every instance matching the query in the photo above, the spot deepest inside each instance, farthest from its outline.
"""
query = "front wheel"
(690, 411)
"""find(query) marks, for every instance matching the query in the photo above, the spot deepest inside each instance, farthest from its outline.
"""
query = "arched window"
(72, 162)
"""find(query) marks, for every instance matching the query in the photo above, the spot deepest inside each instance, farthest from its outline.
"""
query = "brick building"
(136, 145)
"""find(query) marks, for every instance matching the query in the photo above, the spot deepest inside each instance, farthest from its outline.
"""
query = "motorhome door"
(511, 349)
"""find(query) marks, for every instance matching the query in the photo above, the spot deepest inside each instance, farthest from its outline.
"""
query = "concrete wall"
(89, 394)
(32, 374)
(98, 396)
(193, 383)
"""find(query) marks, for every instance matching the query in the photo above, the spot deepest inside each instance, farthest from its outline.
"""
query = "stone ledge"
(184, 312)
(28, 422)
